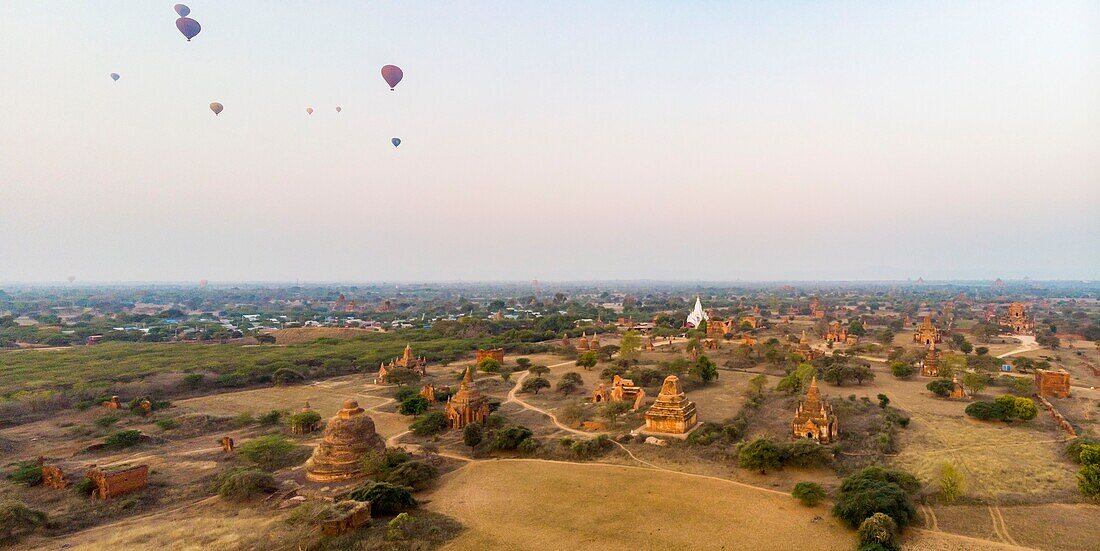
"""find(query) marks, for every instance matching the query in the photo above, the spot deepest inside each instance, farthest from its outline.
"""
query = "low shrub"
(510, 438)
(586, 449)
(122, 439)
(271, 418)
(27, 473)
(244, 483)
(384, 498)
(17, 520)
(270, 452)
(433, 422)
(106, 421)
(168, 424)
(414, 474)
(413, 405)
(303, 420)
(808, 493)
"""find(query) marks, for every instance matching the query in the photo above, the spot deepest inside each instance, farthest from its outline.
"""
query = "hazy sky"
(550, 140)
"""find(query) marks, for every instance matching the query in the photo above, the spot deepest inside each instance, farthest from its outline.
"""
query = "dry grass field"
(553, 506)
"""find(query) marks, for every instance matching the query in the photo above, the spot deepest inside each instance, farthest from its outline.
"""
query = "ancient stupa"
(814, 418)
(467, 405)
(348, 437)
(672, 413)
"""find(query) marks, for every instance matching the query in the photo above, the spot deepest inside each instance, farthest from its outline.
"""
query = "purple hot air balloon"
(189, 27)
(114, 77)
(392, 74)
(396, 142)
(182, 10)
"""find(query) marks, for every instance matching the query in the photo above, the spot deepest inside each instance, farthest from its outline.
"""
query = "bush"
(510, 438)
(398, 527)
(286, 376)
(16, 520)
(528, 446)
(269, 452)
(569, 382)
(271, 418)
(1088, 478)
(122, 439)
(168, 424)
(808, 493)
(876, 490)
(585, 449)
(27, 473)
(952, 483)
(106, 421)
(535, 385)
(413, 405)
(85, 487)
(193, 380)
(384, 498)
(414, 474)
(879, 529)
(243, 483)
(1004, 408)
(433, 422)
(304, 419)
(472, 435)
(1073, 450)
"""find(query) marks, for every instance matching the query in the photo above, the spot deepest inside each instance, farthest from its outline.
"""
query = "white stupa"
(697, 315)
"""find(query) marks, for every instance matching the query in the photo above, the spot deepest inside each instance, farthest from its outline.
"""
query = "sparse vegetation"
(244, 483)
(270, 453)
(808, 493)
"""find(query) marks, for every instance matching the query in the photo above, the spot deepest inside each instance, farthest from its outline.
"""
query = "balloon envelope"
(309, 110)
(338, 109)
(392, 74)
(184, 11)
(114, 76)
(189, 27)
(216, 107)
(396, 142)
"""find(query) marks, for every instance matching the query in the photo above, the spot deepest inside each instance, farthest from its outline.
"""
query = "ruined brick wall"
(54, 477)
(1058, 418)
(112, 484)
(496, 354)
(1052, 383)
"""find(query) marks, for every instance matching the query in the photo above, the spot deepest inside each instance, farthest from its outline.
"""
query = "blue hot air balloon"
(114, 76)
(396, 142)
(189, 27)
(184, 11)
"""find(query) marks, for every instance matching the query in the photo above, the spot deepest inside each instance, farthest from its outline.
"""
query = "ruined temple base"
(682, 436)
(327, 491)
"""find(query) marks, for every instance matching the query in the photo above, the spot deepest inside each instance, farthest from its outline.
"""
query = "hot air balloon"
(216, 108)
(114, 77)
(338, 109)
(71, 278)
(309, 110)
(202, 283)
(189, 27)
(396, 142)
(392, 74)
(182, 10)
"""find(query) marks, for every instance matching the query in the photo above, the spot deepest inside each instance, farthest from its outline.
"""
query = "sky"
(561, 140)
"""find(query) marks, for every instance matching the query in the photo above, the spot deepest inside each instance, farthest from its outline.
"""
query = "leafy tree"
(760, 454)
(876, 490)
(630, 346)
(569, 382)
(883, 401)
(704, 369)
(523, 363)
(433, 422)
(535, 384)
(472, 435)
(613, 410)
(510, 438)
(414, 405)
(805, 453)
(966, 347)
(981, 350)
(862, 373)
(538, 370)
(885, 336)
(608, 351)
(941, 387)
(973, 381)
(588, 359)
(808, 493)
(952, 483)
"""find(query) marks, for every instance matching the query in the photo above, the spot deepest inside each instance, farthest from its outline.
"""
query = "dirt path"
(1027, 343)
(999, 525)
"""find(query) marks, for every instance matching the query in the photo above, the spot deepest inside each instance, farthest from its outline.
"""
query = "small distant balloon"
(189, 27)
(216, 108)
(114, 77)
(182, 10)
(202, 282)
(338, 109)
(71, 278)
(392, 74)
(396, 142)
(309, 110)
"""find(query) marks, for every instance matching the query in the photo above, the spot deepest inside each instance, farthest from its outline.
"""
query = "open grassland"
(87, 368)
(541, 505)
